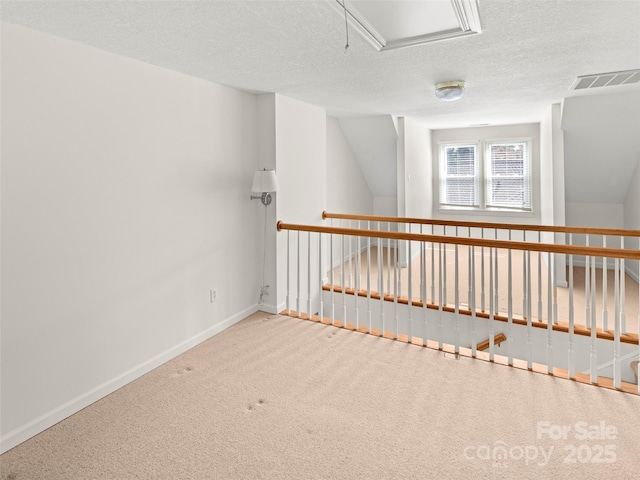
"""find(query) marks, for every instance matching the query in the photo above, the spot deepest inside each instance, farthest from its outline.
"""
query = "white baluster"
(288, 273)
(616, 331)
(409, 294)
(298, 279)
(425, 335)
(528, 309)
(549, 316)
(572, 352)
(342, 282)
(320, 279)
(540, 283)
(440, 299)
(491, 308)
(356, 283)
(555, 294)
(623, 274)
(444, 273)
(381, 284)
(509, 305)
(433, 270)
(593, 292)
(526, 276)
(457, 301)
(587, 289)
(605, 314)
(369, 313)
(593, 356)
(496, 272)
(333, 284)
(396, 280)
(398, 284)
(472, 298)
(482, 292)
(423, 280)
(309, 309)
(389, 260)
(509, 301)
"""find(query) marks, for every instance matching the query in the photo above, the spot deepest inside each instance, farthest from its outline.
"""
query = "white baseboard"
(41, 423)
(270, 308)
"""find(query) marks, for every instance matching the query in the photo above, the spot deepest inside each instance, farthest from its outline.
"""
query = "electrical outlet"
(213, 295)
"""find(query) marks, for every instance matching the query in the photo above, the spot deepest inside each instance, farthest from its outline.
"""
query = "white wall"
(602, 145)
(597, 215)
(529, 130)
(347, 189)
(268, 214)
(301, 156)
(400, 167)
(373, 142)
(418, 174)
(601, 215)
(546, 168)
(413, 177)
(559, 209)
(552, 202)
(631, 213)
(125, 198)
(385, 206)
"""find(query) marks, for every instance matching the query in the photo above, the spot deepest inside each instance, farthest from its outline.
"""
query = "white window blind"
(486, 175)
(508, 175)
(459, 182)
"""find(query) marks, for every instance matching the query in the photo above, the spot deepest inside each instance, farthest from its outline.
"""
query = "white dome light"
(449, 91)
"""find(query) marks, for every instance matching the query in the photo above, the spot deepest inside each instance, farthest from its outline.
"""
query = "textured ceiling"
(527, 57)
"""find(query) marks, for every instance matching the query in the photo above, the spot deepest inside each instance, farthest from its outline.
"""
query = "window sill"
(493, 212)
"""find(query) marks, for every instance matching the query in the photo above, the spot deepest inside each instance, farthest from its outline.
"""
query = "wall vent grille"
(610, 79)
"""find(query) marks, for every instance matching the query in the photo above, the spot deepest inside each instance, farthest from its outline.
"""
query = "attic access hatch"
(389, 25)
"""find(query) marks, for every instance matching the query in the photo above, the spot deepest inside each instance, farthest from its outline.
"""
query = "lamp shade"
(264, 181)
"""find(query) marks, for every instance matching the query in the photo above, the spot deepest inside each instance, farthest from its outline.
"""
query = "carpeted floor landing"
(282, 398)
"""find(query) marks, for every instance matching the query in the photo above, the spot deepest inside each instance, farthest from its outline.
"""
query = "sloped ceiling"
(602, 146)
(373, 141)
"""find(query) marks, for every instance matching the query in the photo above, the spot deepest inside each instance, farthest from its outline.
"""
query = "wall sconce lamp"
(264, 183)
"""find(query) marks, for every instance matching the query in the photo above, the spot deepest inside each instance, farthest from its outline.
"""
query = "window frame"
(483, 176)
(476, 176)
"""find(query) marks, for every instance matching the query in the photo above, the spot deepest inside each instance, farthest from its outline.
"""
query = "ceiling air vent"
(610, 79)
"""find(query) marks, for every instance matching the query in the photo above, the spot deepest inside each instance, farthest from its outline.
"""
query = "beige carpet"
(282, 398)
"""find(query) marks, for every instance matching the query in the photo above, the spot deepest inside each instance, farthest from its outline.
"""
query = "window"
(497, 178)
(459, 185)
(508, 177)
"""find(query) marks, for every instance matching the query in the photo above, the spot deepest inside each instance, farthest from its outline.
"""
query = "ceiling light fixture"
(449, 91)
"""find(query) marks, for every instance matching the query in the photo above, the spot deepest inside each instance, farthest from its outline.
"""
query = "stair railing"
(391, 310)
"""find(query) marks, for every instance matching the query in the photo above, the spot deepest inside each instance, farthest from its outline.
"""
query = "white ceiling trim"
(466, 12)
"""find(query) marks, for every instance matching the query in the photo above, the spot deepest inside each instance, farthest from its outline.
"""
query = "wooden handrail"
(631, 338)
(497, 340)
(469, 241)
(502, 226)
